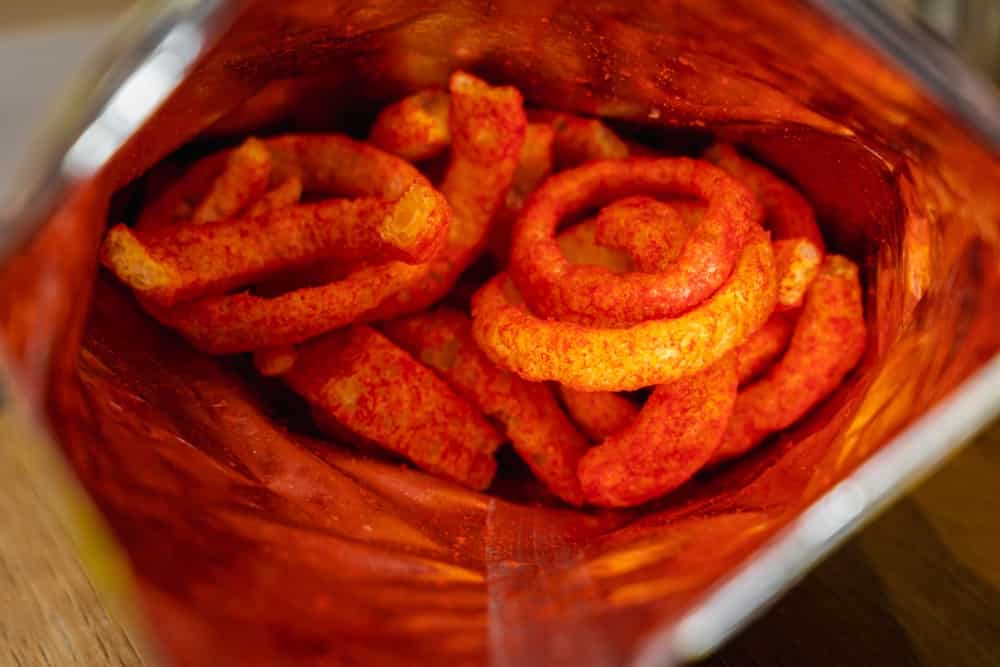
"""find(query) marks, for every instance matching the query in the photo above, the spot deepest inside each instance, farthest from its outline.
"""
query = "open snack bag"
(508, 333)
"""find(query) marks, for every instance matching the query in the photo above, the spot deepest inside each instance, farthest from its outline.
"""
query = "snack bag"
(704, 266)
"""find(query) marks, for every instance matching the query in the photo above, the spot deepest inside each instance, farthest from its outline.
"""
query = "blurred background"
(931, 552)
(972, 27)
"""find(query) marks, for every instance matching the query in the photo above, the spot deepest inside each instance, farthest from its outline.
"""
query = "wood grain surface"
(50, 613)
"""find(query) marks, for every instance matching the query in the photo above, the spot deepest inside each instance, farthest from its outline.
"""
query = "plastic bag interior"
(254, 544)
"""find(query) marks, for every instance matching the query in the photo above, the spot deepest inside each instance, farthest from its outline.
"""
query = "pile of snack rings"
(705, 280)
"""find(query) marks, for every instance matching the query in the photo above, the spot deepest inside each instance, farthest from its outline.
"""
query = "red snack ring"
(599, 414)
(764, 346)
(652, 232)
(415, 127)
(578, 139)
(487, 130)
(788, 214)
(373, 388)
(587, 295)
(539, 431)
(827, 343)
(644, 354)
(674, 435)
(625, 235)
(184, 262)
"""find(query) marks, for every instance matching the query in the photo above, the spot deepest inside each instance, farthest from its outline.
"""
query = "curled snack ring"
(487, 130)
(555, 288)
(787, 213)
(641, 355)
(415, 127)
(650, 231)
(674, 435)
(828, 341)
(529, 413)
(598, 413)
(184, 262)
(244, 322)
(653, 234)
(378, 391)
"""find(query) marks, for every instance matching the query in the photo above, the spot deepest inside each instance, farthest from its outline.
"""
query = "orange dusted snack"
(373, 388)
(626, 358)
(529, 413)
(652, 232)
(533, 166)
(418, 128)
(274, 361)
(703, 282)
(599, 414)
(286, 193)
(183, 262)
(578, 139)
(222, 185)
(246, 321)
(487, 130)
(244, 179)
(556, 288)
(797, 262)
(788, 214)
(414, 128)
(674, 435)
(764, 346)
(827, 343)
(175, 199)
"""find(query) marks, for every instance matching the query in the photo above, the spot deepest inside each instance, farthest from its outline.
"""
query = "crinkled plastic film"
(253, 543)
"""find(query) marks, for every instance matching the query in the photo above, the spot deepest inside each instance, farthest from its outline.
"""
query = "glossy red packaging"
(252, 543)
